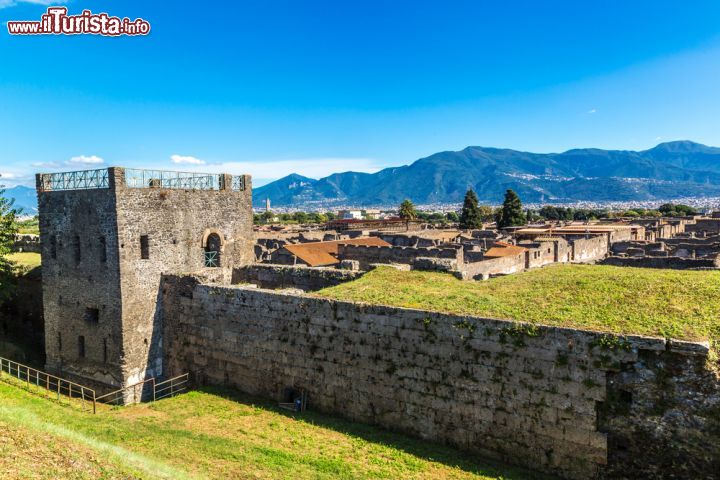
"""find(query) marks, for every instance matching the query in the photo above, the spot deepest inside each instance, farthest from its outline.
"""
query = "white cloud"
(12, 179)
(11, 3)
(85, 160)
(186, 159)
(592, 110)
(46, 165)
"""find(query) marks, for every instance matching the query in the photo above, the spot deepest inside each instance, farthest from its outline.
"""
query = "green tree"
(487, 214)
(300, 217)
(407, 210)
(470, 217)
(512, 214)
(676, 210)
(8, 229)
(267, 216)
(452, 217)
(436, 217)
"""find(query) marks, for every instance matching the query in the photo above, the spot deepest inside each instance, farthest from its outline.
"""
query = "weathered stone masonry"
(105, 245)
(559, 400)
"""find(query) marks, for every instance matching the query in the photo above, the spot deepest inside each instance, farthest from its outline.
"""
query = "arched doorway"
(213, 246)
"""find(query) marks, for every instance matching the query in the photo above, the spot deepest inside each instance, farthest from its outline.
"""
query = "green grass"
(213, 434)
(25, 259)
(668, 303)
(30, 225)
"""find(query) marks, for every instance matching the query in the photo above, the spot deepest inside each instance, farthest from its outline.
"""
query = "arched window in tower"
(212, 250)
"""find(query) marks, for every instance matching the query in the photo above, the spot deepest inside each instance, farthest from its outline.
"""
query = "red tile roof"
(318, 254)
(502, 249)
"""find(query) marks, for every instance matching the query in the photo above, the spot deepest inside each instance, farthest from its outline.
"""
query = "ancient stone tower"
(107, 237)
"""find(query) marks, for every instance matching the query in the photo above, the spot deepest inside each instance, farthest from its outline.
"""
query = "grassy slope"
(205, 435)
(670, 303)
(25, 259)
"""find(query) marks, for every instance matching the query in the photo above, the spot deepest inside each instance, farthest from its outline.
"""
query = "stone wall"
(21, 316)
(704, 225)
(301, 277)
(534, 396)
(589, 249)
(26, 242)
(544, 253)
(488, 267)
(675, 263)
(662, 415)
(81, 274)
(103, 253)
(370, 254)
(646, 247)
(177, 224)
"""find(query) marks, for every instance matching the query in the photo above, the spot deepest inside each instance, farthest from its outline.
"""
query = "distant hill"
(670, 170)
(25, 198)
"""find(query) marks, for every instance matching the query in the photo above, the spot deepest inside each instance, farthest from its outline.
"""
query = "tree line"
(8, 230)
(473, 214)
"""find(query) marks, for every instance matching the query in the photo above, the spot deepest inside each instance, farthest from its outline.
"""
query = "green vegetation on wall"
(668, 303)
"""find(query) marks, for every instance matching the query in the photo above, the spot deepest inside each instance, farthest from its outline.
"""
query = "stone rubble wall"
(488, 267)
(589, 249)
(528, 395)
(282, 276)
(675, 263)
(27, 242)
(370, 254)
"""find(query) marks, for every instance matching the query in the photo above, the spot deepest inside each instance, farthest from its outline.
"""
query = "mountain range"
(670, 170)
(25, 199)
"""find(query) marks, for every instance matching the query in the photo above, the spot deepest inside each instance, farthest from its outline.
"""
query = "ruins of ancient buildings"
(154, 273)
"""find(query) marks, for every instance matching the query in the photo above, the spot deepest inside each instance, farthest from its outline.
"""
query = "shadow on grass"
(423, 449)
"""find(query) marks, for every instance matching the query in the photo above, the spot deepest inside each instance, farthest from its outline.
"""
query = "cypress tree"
(470, 218)
(512, 214)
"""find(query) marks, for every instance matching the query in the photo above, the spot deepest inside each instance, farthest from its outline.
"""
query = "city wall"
(577, 403)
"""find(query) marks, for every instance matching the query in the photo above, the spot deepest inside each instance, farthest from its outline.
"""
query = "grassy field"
(25, 259)
(669, 303)
(212, 434)
(29, 226)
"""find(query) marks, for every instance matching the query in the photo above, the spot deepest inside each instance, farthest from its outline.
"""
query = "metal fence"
(134, 393)
(171, 387)
(50, 386)
(82, 180)
(146, 391)
(137, 178)
(238, 183)
(71, 393)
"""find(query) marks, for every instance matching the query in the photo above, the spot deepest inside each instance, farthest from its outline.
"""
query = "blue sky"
(314, 87)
